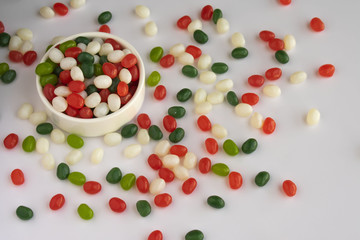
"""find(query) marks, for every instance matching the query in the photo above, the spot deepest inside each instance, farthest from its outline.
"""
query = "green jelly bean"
(177, 135)
(217, 14)
(177, 111)
(29, 144)
(103, 59)
(189, 71)
(153, 79)
(114, 84)
(91, 89)
(129, 130)
(128, 181)
(219, 67)
(49, 78)
(194, 235)
(54, 65)
(200, 36)
(249, 146)
(48, 47)
(220, 169)
(66, 45)
(85, 212)
(114, 175)
(82, 39)
(44, 68)
(4, 39)
(216, 201)
(143, 207)
(75, 141)
(24, 213)
(232, 99)
(104, 17)
(87, 69)
(85, 57)
(77, 178)
(262, 178)
(57, 71)
(44, 128)
(230, 147)
(155, 132)
(9, 76)
(282, 56)
(98, 69)
(156, 54)
(183, 95)
(62, 171)
(239, 52)
(4, 67)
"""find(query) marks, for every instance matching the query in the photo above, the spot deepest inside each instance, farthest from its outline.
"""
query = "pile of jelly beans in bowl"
(91, 83)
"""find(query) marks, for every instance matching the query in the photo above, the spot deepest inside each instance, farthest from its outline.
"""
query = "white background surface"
(323, 161)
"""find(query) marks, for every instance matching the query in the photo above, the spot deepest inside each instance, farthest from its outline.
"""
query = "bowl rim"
(122, 110)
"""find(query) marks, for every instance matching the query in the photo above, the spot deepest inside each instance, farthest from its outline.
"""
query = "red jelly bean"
(204, 165)
(104, 28)
(276, 44)
(110, 69)
(104, 94)
(117, 204)
(85, 112)
(160, 92)
(118, 66)
(250, 98)
(143, 120)
(235, 180)
(75, 100)
(189, 185)
(125, 99)
(155, 235)
(65, 76)
(48, 92)
(207, 12)
(15, 56)
(317, 25)
(256, 80)
(163, 200)
(17, 177)
(154, 161)
(92, 187)
(11, 140)
(122, 89)
(167, 61)
(269, 125)
(72, 52)
(134, 71)
(29, 57)
(327, 70)
(166, 174)
(211, 145)
(60, 9)
(142, 184)
(204, 123)
(266, 35)
(76, 86)
(2, 27)
(194, 51)
(72, 112)
(57, 202)
(289, 188)
(183, 22)
(273, 74)
(169, 123)
(116, 45)
(285, 2)
(129, 60)
(179, 150)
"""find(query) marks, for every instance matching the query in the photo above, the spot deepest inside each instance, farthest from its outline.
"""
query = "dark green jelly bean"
(249, 146)
(219, 67)
(232, 99)
(200, 36)
(114, 175)
(77, 178)
(177, 111)
(62, 171)
(217, 14)
(155, 132)
(262, 178)
(220, 169)
(194, 235)
(85, 57)
(87, 69)
(103, 59)
(24, 213)
(85, 212)
(66, 45)
(239, 52)
(189, 71)
(4, 39)
(153, 79)
(104, 17)
(282, 56)
(29, 144)
(230, 147)
(143, 207)
(44, 128)
(98, 69)
(128, 181)
(114, 84)
(75, 141)
(9, 76)
(177, 135)
(183, 95)
(57, 71)
(49, 78)
(48, 47)
(216, 201)
(156, 54)
(129, 130)
(91, 89)
(44, 68)
(82, 39)
(4, 67)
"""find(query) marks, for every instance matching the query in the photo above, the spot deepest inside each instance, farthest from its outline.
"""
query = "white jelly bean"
(57, 136)
(102, 81)
(237, 40)
(132, 150)
(157, 186)
(190, 160)
(151, 29)
(207, 77)
(256, 120)
(177, 49)
(289, 42)
(272, 90)
(298, 77)
(194, 25)
(143, 136)
(93, 100)
(186, 58)
(204, 62)
(83, 94)
(222, 25)
(126, 51)
(62, 91)
(77, 3)
(93, 47)
(97, 155)
(82, 46)
(181, 172)
(25, 111)
(99, 40)
(162, 148)
(101, 110)
(47, 12)
(73, 157)
(142, 11)
(203, 108)
(24, 34)
(56, 55)
(219, 131)
(200, 96)
(68, 63)
(114, 102)
(48, 161)
(112, 139)
(77, 74)
(224, 85)
(56, 39)
(313, 117)
(215, 97)
(115, 56)
(15, 43)
(125, 75)
(38, 117)
(26, 46)
(170, 161)
(105, 49)
(59, 103)
(243, 110)
(42, 145)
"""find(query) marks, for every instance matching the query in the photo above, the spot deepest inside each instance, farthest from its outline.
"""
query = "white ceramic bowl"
(97, 126)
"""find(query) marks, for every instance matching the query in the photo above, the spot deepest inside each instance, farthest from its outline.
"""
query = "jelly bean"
(183, 95)
(220, 169)
(218, 131)
(204, 165)
(216, 202)
(162, 148)
(2, 27)
(326, 70)
(92, 187)
(276, 44)
(215, 97)
(60, 9)
(177, 49)
(143, 207)
(114, 175)
(15, 43)
(249, 146)
(186, 58)
(97, 155)
(4, 39)
(256, 80)
(66, 45)
(262, 178)
(129, 60)
(177, 111)
(285, 2)
(142, 11)
(156, 54)
(116, 45)
(117, 205)
(124, 75)
(76, 86)
(77, 178)
(9, 76)
(29, 144)
(289, 188)
(77, 3)
(211, 145)
(157, 185)
(169, 123)
(289, 42)
(72, 52)
(204, 62)
(42, 146)
(177, 135)
(59, 103)
(37, 117)
(85, 212)
(4, 67)
(195, 234)
(273, 73)
(282, 57)
(55, 55)
(57, 202)
(154, 162)
(122, 89)
(163, 200)
(24, 213)
(170, 161)
(194, 25)
(239, 53)
(29, 57)
(183, 22)
(15, 56)
(317, 24)
(70, 111)
(129, 130)
(143, 137)
(85, 57)
(178, 150)
(298, 77)
(232, 99)
(203, 108)
(181, 172)
(26, 46)
(151, 29)
(153, 79)
(104, 17)
(128, 181)
(47, 12)
(266, 35)
(207, 12)
(17, 177)
(219, 67)
(256, 120)
(190, 160)
(75, 141)
(101, 110)
(217, 14)
(230, 147)
(189, 185)
(132, 150)
(62, 171)
(155, 235)
(313, 117)
(49, 78)
(200, 36)
(194, 51)
(25, 111)
(167, 61)
(207, 77)
(11, 140)
(88, 70)
(142, 184)
(235, 180)
(44, 128)
(269, 125)
(204, 123)
(189, 71)
(238, 40)
(222, 25)
(166, 174)
(44, 68)
(250, 98)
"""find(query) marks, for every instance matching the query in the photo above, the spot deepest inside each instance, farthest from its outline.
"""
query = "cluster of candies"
(59, 8)
(143, 12)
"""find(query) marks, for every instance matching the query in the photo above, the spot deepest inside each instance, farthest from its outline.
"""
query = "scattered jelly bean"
(169, 123)
(44, 128)
(75, 141)
(282, 56)
(289, 42)
(151, 29)
(166, 174)
(220, 169)
(156, 54)
(289, 188)
(9, 76)
(160, 92)
(15, 56)
(62, 171)
(207, 12)
(29, 57)
(154, 162)
(155, 132)
(114, 175)
(266, 35)
(285, 2)
(269, 125)
(217, 14)
(222, 25)
(216, 202)
(204, 123)
(29, 144)
(143, 120)
(183, 22)
(104, 17)
(204, 165)
(232, 99)
(230, 147)
(163, 200)
(256, 80)
(189, 71)
(219, 67)
(129, 130)
(273, 73)
(60, 8)
(211, 145)
(250, 98)
(167, 61)
(194, 51)
(143, 207)
(85, 212)
(179, 150)
(104, 28)
(276, 44)
(249, 146)
(298, 77)
(317, 24)
(153, 79)
(239, 53)
(218, 131)
(262, 178)
(24, 213)
(235, 180)
(4, 67)
(57, 202)
(326, 70)
(11, 140)
(142, 11)
(128, 181)
(77, 178)
(200, 36)
(2, 27)
(189, 185)
(17, 177)
(184, 95)
(177, 111)
(4, 39)
(117, 205)
(92, 187)
(313, 117)
(155, 235)
(142, 184)
(177, 135)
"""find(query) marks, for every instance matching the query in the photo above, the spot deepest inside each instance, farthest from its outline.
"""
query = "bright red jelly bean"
(116, 45)
(129, 60)
(273, 74)
(11, 140)
(163, 200)
(76, 86)
(72, 112)
(72, 52)
(194, 51)
(183, 22)
(17, 177)
(207, 12)
(75, 100)
(204, 165)
(285, 2)
(166, 174)
(179, 150)
(134, 71)
(117, 205)
(160, 92)
(2, 27)
(86, 112)
(189, 185)
(204, 123)
(266, 35)
(122, 89)
(104, 94)
(143, 120)
(317, 24)
(29, 57)
(269, 125)
(65, 76)
(167, 61)
(169, 123)
(289, 188)
(155, 235)
(235, 180)
(211, 145)
(256, 80)
(326, 70)
(142, 184)
(276, 44)
(57, 202)
(60, 9)
(92, 187)
(110, 69)
(48, 92)
(104, 28)
(250, 98)
(15, 56)
(154, 161)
